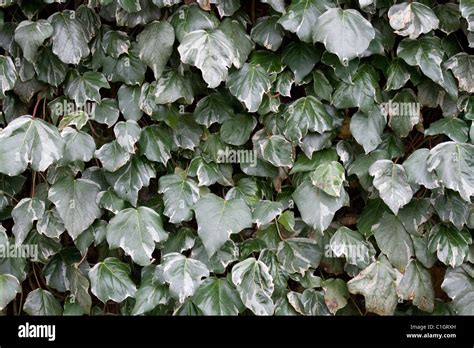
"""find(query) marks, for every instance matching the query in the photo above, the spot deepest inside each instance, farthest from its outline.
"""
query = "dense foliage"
(226, 157)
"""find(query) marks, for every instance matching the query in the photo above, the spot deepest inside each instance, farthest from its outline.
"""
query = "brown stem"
(38, 100)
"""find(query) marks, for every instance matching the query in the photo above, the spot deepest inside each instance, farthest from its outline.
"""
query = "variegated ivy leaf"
(276, 150)
(155, 143)
(110, 280)
(417, 171)
(416, 286)
(317, 208)
(450, 207)
(9, 287)
(112, 156)
(69, 37)
(127, 134)
(310, 302)
(249, 84)
(75, 201)
(453, 164)
(150, 294)
(184, 275)
(136, 231)
(179, 195)
(351, 244)
(85, 87)
(462, 66)
(191, 18)
(211, 51)
(412, 19)
(367, 128)
(155, 44)
(29, 140)
(345, 33)
(265, 211)
(78, 146)
(391, 181)
(24, 214)
(467, 11)
(217, 219)
(335, 294)
(268, 33)
(329, 177)
(42, 302)
(218, 296)
(297, 255)
(458, 283)
(31, 35)
(174, 86)
(377, 283)
(8, 74)
(450, 244)
(454, 128)
(255, 285)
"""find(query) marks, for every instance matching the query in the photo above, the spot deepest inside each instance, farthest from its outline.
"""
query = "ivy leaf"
(377, 283)
(173, 86)
(69, 37)
(179, 196)
(42, 302)
(306, 114)
(217, 296)
(301, 58)
(317, 208)
(110, 280)
(79, 145)
(367, 128)
(301, 16)
(29, 140)
(417, 171)
(136, 231)
(213, 108)
(8, 74)
(155, 44)
(85, 87)
(191, 18)
(217, 219)
(344, 32)
(244, 123)
(155, 143)
(112, 156)
(454, 128)
(391, 181)
(276, 150)
(450, 244)
(394, 240)
(412, 19)
(183, 275)
(75, 201)
(467, 11)
(335, 294)
(453, 164)
(115, 43)
(24, 213)
(458, 283)
(451, 208)
(211, 51)
(149, 295)
(255, 285)
(31, 35)
(249, 84)
(416, 285)
(462, 66)
(106, 112)
(9, 287)
(310, 302)
(127, 134)
(268, 33)
(297, 255)
(329, 177)
(343, 243)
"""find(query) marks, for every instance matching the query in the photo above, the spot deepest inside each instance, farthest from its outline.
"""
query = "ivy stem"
(278, 229)
(33, 184)
(38, 100)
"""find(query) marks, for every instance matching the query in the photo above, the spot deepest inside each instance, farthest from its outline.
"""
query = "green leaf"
(417, 171)
(31, 35)
(149, 295)
(458, 283)
(75, 201)
(404, 112)
(301, 58)
(42, 302)
(127, 134)
(453, 164)
(213, 108)
(367, 128)
(29, 140)
(412, 19)
(306, 114)
(110, 280)
(172, 86)
(179, 196)
(344, 32)
(155, 143)
(9, 287)
(184, 275)
(24, 214)
(416, 286)
(255, 285)
(128, 102)
(114, 43)
(351, 244)
(454, 128)
(249, 84)
(377, 283)
(450, 244)
(391, 181)
(112, 156)
(136, 231)
(155, 44)
(85, 87)
(211, 52)
(106, 112)
(79, 145)
(8, 74)
(398, 74)
(329, 177)
(335, 294)
(244, 123)
(217, 296)
(394, 240)
(297, 255)
(276, 150)
(450, 207)
(191, 18)
(69, 38)
(268, 33)
(217, 219)
(462, 66)
(427, 53)
(317, 208)
(310, 302)
(467, 11)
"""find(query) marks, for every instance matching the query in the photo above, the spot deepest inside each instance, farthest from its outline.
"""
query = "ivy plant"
(226, 157)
